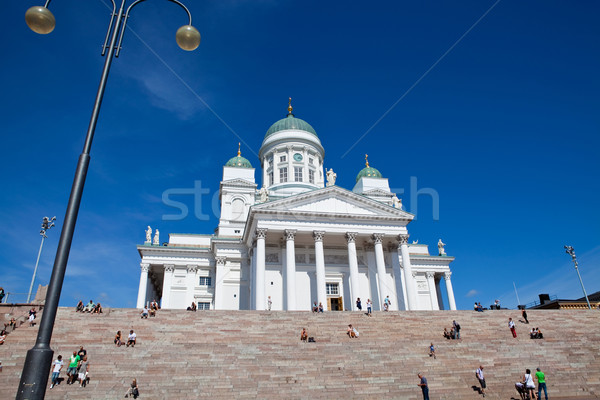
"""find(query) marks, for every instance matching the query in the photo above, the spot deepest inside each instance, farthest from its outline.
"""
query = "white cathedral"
(300, 239)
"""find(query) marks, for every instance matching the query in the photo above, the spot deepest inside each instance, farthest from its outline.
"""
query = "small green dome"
(369, 172)
(238, 161)
(290, 122)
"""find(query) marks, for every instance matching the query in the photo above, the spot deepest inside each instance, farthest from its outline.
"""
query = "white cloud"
(472, 293)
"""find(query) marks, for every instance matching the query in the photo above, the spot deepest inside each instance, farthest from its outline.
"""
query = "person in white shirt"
(481, 378)
(528, 383)
(56, 367)
(131, 338)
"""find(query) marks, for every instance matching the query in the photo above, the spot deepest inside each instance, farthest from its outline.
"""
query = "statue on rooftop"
(156, 241)
(148, 234)
(397, 203)
(331, 177)
(441, 247)
(264, 194)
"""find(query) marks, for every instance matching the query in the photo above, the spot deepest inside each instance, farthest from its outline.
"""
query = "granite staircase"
(250, 354)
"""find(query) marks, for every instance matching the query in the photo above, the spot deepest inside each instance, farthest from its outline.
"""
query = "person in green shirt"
(541, 378)
(72, 370)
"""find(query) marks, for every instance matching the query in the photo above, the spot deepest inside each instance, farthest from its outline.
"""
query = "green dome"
(290, 122)
(369, 172)
(239, 162)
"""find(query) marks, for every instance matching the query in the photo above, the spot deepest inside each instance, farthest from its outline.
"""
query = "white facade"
(297, 241)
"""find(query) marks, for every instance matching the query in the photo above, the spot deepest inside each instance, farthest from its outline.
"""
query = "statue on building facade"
(264, 194)
(156, 236)
(148, 234)
(441, 247)
(396, 202)
(331, 177)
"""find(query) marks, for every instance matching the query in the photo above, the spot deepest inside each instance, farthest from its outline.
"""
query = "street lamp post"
(571, 251)
(47, 223)
(34, 377)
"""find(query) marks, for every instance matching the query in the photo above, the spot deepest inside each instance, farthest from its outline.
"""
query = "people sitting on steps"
(79, 307)
(535, 333)
(192, 307)
(89, 307)
(352, 332)
(303, 335)
(131, 339)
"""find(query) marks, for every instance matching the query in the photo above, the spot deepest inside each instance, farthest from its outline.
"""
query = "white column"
(320, 267)
(290, 269)
(432, 291)
(167, 282)
(398, 280)
(353, 264)
(261, 235)
(252, 262)
(141, 300)
(411, 290)
(380, 262)
(219, 275)
(372, 268)
(450, 291)
(438, 291)
(190, 283)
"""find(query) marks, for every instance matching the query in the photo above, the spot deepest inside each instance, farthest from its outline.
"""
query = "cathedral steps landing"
(257, 354)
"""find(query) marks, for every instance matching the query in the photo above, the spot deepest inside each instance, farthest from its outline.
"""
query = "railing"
(15, 298)
(537, 303)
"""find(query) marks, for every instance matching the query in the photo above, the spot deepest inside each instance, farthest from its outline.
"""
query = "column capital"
(430, 275)
(261, 233)
(403, 239)
(145, 267)
(192, 268)
(447, 275)
(221, 260)
(290, 234)
(351, 237)
(169, 267)
(318, 235)
(414, 274)
(378, 238)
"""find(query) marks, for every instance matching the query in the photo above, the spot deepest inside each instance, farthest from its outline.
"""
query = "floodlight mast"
(571, 251)
(34, 378)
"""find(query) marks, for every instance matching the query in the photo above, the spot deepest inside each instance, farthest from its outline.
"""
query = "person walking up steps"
(481, 379)
(432, 351)
(423, 385)
(511, 326)
(58, 364)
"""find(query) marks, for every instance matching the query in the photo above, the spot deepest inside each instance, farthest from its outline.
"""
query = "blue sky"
(498, 115)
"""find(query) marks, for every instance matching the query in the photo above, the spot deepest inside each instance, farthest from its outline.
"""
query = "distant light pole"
(47, 223)
(34, 377)
(570, 251)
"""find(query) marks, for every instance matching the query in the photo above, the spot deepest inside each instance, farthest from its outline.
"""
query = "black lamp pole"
(34, 377)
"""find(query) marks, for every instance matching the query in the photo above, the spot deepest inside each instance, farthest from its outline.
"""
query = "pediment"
(238, 182)
(378, 192)
(332, 201)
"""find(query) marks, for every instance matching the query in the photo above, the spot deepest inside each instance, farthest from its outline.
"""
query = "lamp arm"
(126, 16)
(110, 25)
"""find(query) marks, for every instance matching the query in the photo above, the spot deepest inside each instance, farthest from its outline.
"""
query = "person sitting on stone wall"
(153, 308)
(315, 308)
(97, 309)
(192, 307)
(79, 307)
(303, 335)
(321, 307)
(90, 307)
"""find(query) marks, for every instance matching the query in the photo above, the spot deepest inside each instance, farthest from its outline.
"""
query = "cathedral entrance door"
(335, 304)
